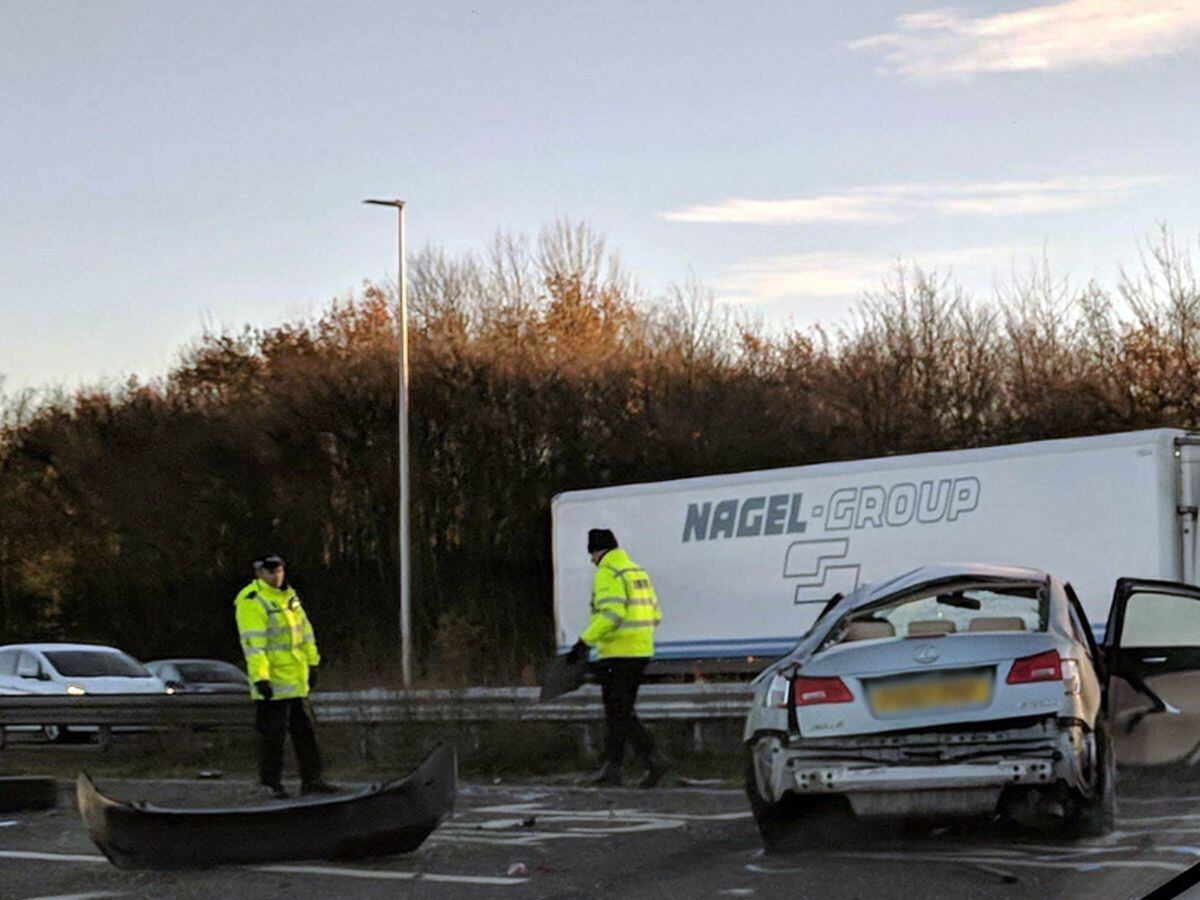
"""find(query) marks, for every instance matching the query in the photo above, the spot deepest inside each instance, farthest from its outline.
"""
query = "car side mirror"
(43, 676)
(175, 685)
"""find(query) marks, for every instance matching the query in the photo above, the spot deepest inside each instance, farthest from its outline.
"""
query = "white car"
(974, 689)
(72, 669)
(200, 676)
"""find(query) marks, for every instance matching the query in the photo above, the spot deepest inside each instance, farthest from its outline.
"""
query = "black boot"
(656, 768)
(608, 776)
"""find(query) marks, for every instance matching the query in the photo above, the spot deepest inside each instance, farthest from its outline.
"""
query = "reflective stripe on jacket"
(277, 639)
(625, 610)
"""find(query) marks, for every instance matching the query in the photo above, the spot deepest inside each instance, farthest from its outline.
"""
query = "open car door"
(1152, 661)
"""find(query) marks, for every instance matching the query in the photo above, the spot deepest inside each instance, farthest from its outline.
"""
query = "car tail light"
(777, 693)
(811, 691)
(1042, 667)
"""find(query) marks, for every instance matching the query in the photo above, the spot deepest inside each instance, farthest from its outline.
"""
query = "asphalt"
(524, 841)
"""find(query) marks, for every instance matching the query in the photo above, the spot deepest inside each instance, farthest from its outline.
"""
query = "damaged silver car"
(973, 689)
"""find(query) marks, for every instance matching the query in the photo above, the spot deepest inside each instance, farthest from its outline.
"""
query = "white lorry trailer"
(743, 563)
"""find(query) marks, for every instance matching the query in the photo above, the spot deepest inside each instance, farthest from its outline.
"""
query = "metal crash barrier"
(656, 702)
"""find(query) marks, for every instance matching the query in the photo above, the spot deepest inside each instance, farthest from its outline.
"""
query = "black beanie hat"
(601, 539)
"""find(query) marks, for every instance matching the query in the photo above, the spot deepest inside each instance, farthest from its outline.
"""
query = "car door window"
(1154, 619)
(1152, 658)
(27, 666)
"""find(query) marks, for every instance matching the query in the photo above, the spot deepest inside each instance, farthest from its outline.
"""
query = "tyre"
(786, 824)
(1096, 816)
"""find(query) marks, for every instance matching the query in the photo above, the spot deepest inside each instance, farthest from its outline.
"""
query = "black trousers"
(619, 683)
(275, 720)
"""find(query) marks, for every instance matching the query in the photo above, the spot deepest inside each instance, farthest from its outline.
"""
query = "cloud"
(810, 276)
(945, 44)
(894, 202)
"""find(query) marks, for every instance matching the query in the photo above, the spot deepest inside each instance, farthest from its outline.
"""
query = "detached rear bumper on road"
(382, 820)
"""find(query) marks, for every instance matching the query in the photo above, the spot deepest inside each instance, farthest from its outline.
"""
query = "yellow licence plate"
(942, 693)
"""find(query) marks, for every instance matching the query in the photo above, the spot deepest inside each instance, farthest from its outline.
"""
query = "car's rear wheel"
(1095, 816)
(783, 825)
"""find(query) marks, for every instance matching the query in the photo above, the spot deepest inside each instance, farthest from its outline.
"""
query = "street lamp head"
(398, 204)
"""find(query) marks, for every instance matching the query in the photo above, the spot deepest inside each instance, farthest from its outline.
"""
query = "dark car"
(200, 676)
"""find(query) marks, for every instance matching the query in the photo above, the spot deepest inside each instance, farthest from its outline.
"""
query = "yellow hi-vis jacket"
(277, 639)
(625, 610)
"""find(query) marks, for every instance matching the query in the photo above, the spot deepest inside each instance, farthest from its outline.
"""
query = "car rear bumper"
(917, 772)
(848, 778)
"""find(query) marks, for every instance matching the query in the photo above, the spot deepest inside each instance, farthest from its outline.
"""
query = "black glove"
(578, 652)
(312, 679)
(264, 689)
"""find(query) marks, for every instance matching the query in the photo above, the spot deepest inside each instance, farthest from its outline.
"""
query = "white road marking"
(93, 895)
(337, 871)
(294, 870)
(536, 809)
(1076, 865)
(1150, 820)
(52, 857)
(508, 829)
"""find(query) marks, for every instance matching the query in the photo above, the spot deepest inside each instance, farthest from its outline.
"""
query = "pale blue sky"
(167, 164)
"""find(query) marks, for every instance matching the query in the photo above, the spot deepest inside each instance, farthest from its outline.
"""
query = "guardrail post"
(3, 736)
(698, 736)
(587, 747)
(367, 741)
(104, 738)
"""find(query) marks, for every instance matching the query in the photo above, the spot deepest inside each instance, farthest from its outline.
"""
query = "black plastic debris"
(381, 820)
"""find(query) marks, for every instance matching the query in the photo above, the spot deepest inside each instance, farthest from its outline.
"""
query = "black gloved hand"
(312, 679)
(578, 652)
(264, 689)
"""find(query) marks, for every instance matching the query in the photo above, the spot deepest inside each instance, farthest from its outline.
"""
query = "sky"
(171, 167)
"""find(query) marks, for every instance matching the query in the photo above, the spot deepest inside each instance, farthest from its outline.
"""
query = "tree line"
(129, 514)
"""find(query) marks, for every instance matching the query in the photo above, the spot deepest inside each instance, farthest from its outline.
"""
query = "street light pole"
(405, 568)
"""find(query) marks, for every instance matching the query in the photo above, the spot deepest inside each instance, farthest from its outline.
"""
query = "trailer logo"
(818, 563)
(776, 514)
(820, 569)
(846, 509)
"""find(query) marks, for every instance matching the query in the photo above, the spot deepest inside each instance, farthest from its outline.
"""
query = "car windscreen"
(210, 673)
(95, 664)
(950, 609)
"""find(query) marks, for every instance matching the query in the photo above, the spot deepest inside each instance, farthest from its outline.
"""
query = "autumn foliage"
(129, 515)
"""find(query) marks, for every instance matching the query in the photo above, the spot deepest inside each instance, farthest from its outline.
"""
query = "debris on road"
(381, 820)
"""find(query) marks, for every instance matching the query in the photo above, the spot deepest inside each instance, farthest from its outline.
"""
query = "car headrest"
(868, 631)
(921, 627)
(997, 623)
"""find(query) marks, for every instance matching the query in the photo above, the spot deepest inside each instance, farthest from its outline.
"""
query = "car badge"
(926, 653)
